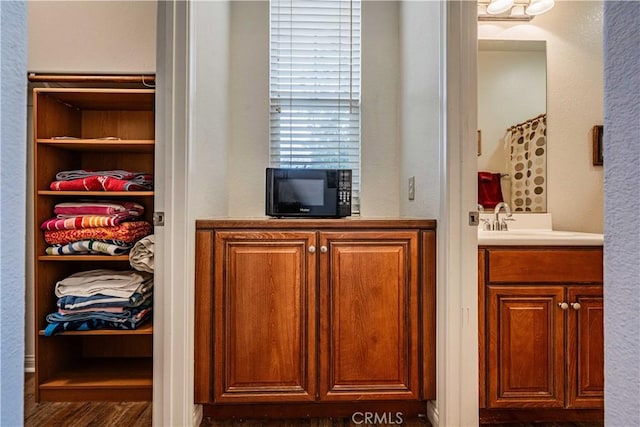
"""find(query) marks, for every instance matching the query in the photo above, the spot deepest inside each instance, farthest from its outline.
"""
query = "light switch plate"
(474, 218)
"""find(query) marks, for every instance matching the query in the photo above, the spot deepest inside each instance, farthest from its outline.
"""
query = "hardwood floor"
(314, 422)
(138, 414)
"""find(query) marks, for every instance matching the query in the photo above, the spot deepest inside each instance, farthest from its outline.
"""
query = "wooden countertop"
(317, 223)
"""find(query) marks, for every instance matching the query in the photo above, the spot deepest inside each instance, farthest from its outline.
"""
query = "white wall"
(573, 31)
(248, 142)
(92, 36)
(209, 108)
(380, 109)
(421, 103)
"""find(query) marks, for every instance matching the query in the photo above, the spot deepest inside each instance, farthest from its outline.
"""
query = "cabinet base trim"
(494, 416)
(409, 410)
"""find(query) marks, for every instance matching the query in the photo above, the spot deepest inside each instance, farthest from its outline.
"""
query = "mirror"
(512, 146)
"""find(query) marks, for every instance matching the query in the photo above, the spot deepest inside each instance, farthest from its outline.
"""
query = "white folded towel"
(141, 255)
(102, 281)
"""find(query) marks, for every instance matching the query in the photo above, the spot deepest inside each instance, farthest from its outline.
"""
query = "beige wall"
(400, 108)
(248, 97)
(421, 107)
(573, 31)
(92, 36)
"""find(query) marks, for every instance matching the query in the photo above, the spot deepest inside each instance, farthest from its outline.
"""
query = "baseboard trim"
(432, 414)
(197, 415)
(30, 363)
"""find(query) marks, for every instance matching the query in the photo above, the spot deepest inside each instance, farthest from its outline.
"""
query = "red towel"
(99, 183)
(489, 189)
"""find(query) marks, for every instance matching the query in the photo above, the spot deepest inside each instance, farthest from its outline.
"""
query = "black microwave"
(308, 192)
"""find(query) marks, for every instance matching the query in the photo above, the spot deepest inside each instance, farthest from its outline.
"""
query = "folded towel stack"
(101, 299)
(94, 227)
(109, 180)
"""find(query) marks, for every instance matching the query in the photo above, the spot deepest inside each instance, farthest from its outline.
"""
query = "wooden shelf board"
(98, 373)
(106, 194)
(100, 258)
(141, 394)
(102, 99)
(145, 329)
(122, 145)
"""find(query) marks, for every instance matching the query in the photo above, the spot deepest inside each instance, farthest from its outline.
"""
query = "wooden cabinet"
(315, 311)
(541, 328)
(369, 319)
(585, 347)
(265, 323)
(93, 129)
(526, 351)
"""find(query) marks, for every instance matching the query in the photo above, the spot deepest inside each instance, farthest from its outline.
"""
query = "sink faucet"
(501, 225)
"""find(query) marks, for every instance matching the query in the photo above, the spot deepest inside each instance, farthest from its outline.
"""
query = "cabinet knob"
(312, 249)
(575, 305)
(323, 249)
(563, 305)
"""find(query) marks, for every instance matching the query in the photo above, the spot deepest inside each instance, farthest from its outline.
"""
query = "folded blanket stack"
(101, 299)
(95, 227)
(109, 180)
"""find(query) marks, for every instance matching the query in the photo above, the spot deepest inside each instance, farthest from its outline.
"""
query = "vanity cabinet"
(315, 311)
(541, 328)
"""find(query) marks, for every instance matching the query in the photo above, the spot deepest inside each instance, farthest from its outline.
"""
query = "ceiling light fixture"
(512, 10)
(497, 7)
(538, 7)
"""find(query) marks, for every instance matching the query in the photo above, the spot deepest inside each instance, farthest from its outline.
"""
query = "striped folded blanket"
(98, 207)
(84, 221)
(83, 247)
(128, 232)
(104, 183)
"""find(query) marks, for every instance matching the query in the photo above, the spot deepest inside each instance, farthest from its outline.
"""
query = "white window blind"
(315, 86)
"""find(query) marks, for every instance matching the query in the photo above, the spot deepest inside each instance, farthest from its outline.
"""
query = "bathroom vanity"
(540, 326)
(327, 316)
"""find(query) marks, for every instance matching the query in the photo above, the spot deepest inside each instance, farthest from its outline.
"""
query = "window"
(315, 86)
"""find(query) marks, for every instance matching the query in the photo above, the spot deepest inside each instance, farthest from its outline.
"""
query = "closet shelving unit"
(96, 129)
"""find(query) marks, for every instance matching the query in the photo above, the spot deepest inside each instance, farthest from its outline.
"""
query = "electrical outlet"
(412, 187)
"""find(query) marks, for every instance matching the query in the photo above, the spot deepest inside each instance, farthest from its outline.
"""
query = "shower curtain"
(527, 144)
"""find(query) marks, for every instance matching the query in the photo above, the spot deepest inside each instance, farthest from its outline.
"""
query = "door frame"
(457, 390)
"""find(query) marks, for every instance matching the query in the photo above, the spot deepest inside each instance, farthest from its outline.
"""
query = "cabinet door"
(585, 339)
(265, 316)
(525, 347)
(369, 316)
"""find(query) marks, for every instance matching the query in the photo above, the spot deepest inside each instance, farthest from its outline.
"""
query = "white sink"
(538, 232)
